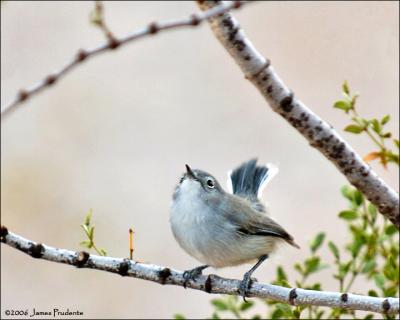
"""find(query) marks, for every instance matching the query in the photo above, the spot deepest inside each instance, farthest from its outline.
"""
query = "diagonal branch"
(209, 284)
(114, 43)
(318, 132)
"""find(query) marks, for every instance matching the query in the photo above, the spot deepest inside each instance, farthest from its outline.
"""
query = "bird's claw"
(192, 275)
(245, 285)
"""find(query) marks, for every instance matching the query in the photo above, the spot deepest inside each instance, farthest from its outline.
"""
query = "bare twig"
(97, 18)
(209, 284)
(319, 133)
(113, 43)
(131, 243)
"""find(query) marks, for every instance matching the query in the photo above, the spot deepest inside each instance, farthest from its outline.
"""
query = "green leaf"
(316, 287)
(358, 198)
(394, 250)
(390, 292)
(369, 265)
(317, 242)
(179, 316)
(282, 283)
(298, 268)
(382, 238)
(338, 276)
(392, 157)
(354, 99)
(296, 313)
(390, 229)
(103, 252)
(85, 228)
(372, 210)
(386, 135)
(256, 317)
(385, 119)
(91, 233)
(88, 217)
(347, 192)
(219, 304)
(369, 316)
(312, 264)
(281, 274)
(277, 314)
(215, 316)
(360, 121)
(286, 309)
(232, 300)
(372, 239)
(356, 246)
(394, 262)
(85, 243)
(246, 305)
(376, 126)
(396, 142)
(390, 270)
(373, 293)
(344, 268)
(345, 87)
(353, 128)
(286, 284)
(348, 215)
(347, 97)
(379, 280)
(343, 105)
(334, 249)
(320, 314)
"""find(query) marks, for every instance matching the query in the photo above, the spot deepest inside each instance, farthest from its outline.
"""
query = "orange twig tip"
(130, 244)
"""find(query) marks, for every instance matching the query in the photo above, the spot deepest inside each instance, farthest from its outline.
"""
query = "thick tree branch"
(319, 133)
(114, 43)
(210, 283)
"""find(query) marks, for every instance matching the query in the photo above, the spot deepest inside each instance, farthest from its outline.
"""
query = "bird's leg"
(192, 274)
(246, 282)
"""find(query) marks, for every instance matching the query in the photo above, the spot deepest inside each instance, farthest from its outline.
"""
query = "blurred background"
(115, 133)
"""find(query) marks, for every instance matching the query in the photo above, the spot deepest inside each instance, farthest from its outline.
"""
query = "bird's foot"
(245, 285)
(192, 274)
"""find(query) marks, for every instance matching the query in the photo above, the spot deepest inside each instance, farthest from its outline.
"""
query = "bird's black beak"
(189, 172)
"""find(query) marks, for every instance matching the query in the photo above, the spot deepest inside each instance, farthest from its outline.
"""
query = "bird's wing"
(252, 222)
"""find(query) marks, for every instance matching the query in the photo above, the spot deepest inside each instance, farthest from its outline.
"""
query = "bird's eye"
(210, 183)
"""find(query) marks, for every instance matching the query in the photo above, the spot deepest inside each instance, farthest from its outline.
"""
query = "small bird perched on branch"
(222, 229)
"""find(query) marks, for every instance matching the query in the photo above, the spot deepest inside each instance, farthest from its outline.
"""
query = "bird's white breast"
(205, 235)
(187, 218)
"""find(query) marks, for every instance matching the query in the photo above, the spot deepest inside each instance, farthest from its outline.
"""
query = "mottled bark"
(209, 283)
(318, 132)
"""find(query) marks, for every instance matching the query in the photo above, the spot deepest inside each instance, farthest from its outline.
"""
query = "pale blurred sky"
(114, 136)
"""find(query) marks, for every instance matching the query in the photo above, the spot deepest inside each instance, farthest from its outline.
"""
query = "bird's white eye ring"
(210, 183)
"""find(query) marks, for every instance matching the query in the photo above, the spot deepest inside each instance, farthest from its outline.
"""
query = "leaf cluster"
(88, 228)
(374, 128)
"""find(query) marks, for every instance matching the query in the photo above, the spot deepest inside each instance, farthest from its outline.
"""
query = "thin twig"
(209, 284)
(319, 133)
(130, 243)
(114, 43)
(98, 19)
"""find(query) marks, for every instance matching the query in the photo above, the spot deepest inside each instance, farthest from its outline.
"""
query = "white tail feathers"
(273, 170)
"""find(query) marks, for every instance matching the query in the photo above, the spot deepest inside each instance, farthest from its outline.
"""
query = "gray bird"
(222, 229)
